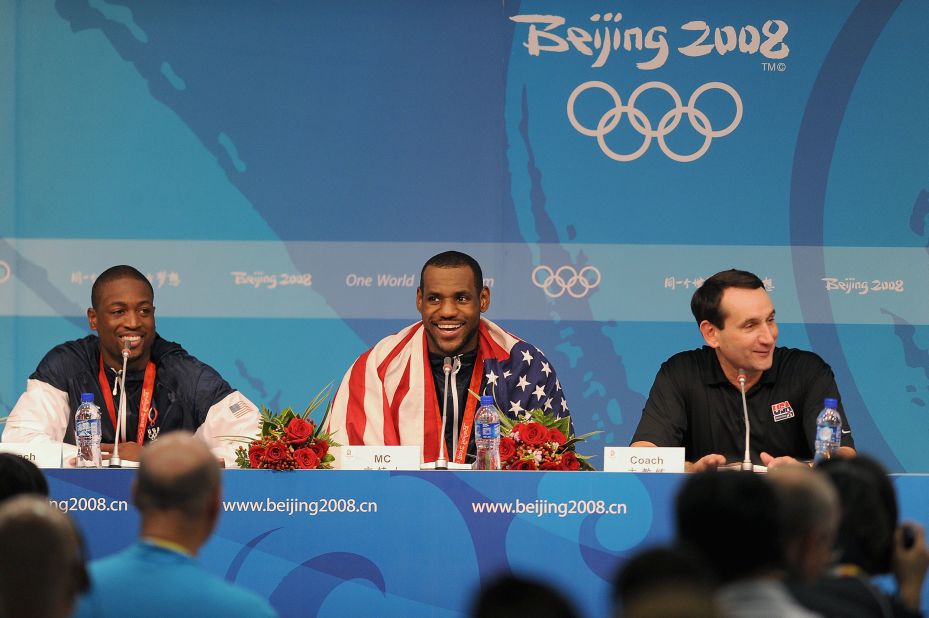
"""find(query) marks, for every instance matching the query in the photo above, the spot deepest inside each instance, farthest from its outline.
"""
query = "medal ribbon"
(145, 403)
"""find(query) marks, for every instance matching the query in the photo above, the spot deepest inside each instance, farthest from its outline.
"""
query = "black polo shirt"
(693, 405)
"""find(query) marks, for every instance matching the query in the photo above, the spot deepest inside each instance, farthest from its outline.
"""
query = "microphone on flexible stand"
(441, 462)
(747, 460)
(455, 369)
(120, 429)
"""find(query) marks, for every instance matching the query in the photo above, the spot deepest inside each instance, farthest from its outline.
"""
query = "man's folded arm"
(40, 414)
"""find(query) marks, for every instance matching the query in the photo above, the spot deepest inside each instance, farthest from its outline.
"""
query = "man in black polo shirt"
(696, 403)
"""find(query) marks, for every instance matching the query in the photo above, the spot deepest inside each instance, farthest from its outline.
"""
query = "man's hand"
(707, 462)
(131, 451)
(910, 564)
(776, 462)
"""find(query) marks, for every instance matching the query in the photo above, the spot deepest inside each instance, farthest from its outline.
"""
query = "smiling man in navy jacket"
(166, 388)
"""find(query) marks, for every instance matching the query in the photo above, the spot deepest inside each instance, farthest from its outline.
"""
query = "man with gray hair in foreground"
(42, 569)
(177, 491)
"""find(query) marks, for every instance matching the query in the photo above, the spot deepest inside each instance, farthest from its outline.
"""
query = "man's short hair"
(807, 501)
(705, 303)
(732, 520)
(452, 259)
(112, 274)
(869, 512)
(43, 567)
(189, 493)
(20, 476)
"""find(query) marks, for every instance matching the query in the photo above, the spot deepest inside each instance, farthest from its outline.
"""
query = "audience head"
(20, 476)
(513, 595)
(178, 485)
(42, 569)
(731, 519)
(664, 582)
(869, 512)
(809, 512)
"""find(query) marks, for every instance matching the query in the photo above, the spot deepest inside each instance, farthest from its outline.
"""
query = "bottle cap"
(831, 403)
(85, 397)
(487, 400)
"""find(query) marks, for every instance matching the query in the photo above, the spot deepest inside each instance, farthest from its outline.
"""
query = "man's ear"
(419, 299)
(92, 319)
(485, 299)
(710, 333)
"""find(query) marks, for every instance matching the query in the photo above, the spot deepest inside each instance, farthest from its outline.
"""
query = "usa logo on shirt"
(782, 411)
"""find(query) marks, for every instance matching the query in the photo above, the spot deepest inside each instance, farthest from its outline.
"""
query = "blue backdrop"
(282, 169)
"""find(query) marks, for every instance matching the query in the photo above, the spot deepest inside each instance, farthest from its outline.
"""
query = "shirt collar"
(713, 372)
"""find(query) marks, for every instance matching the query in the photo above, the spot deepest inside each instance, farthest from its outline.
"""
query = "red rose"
(299, 430)
(569, 461)
(550, 465)
(320, 447)
(556, 436)
(519, 430)
(255, 452)
(525, 464)
(507, 449)
(306, 458)
(535, 434)
(275, 452)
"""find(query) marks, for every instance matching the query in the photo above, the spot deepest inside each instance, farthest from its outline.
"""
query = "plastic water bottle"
(487, 435)
(87, 432)
(828, 431)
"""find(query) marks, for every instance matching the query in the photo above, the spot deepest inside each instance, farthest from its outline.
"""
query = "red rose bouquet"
(289, 440)
(539, 441)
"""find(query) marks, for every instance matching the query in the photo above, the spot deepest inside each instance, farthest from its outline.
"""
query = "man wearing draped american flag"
(393, 394)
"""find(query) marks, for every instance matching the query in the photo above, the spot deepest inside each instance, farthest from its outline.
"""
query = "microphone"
(455, 369)
(747, 460)
(120, 429)
(441, 462)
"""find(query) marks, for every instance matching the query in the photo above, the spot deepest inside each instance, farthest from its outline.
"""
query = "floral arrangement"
(289, 440)
(538, 441)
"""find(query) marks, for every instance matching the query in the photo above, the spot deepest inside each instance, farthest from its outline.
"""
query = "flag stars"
(515, 408)
(564, 405)
(546, 369)
(548, 404)
(506, 374)
(557, 384)
(523, 383)
(492, 378)
(527, 357)
(539, 392)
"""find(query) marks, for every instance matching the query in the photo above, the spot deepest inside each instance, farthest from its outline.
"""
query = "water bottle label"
(828, 434)
(84, 428)
(488, 431)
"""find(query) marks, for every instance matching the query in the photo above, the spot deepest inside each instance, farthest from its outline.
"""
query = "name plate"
(377, 457)
(643, 459)
(42, 454)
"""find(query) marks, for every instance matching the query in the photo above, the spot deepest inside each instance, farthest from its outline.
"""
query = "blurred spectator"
(42, 569)
(732, 519)
(177, 491)
(513, 595)
(870, 542)
(664, 582)
(20, 476)
(809, 511)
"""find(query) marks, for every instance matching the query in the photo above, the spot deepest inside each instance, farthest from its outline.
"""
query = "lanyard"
(464, 434)
(145, 403)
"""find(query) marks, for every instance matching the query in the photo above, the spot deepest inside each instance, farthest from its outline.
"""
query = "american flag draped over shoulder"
(388, 396)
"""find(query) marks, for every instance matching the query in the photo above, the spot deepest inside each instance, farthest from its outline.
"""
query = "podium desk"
(381, 543)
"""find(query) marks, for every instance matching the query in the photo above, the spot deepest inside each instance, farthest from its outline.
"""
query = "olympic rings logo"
(669, 121)
(566, 279)
(5, 272)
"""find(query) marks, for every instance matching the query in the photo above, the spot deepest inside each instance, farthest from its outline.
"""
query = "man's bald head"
(43, 566)
(176, 473)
